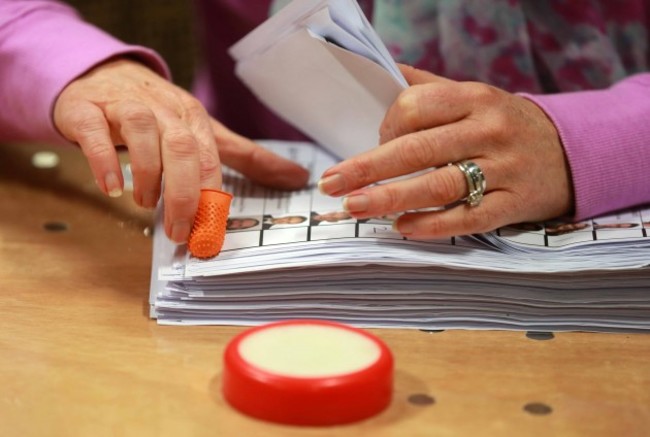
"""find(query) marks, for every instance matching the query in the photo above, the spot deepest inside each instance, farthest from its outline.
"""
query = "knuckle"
(390, 199)
(443, 189)
(85, 126)
(362, 169)
(482, 92)
(137, 117)
(180, 202)
(385, 131)
(415, 153)
(168, 94)
(181, 143)
(469, 221)
(147, 171)
(434, 227)
(409, 110)
(191, 103)
(497, 115)
(209, 159)
(498, 127)
(95, 150)
(479, 220)
(404, 99)
(193, 109)
(91, 133)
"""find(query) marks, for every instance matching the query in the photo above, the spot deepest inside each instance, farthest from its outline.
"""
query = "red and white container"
(308, 372)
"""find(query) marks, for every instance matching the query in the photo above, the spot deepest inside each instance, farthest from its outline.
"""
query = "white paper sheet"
(361, 272)
(321, 66)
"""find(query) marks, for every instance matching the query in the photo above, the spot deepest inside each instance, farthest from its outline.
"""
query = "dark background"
(163, 25)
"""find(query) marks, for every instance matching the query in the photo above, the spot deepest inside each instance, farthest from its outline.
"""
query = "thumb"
(416, 76)
(256, 162)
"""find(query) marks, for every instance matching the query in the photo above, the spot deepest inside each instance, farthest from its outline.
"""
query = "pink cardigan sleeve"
(606, 137)
(44, 45)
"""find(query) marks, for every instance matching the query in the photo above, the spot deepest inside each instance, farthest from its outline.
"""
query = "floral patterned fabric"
(518, 45)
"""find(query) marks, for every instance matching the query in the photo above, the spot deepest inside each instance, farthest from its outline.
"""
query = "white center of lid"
(309, 351)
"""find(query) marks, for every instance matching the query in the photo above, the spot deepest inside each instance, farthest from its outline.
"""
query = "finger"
(85, 124)
(138, 130)
(404, 155)
(258, 163)
(436, 188)
(199, 123)
(497, 209)
(180, 158)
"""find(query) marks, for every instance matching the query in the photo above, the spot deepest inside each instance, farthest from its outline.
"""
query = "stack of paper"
(292, 255)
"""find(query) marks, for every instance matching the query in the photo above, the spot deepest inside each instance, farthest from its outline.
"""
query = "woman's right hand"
(166, 130)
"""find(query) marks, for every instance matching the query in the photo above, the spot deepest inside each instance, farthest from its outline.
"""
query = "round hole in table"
(538, 408)
(421, 399)
(55, 226)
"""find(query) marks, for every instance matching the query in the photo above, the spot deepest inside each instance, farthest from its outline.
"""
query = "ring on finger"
(476, 183)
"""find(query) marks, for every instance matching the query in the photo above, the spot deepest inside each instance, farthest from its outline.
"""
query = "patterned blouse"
(518, 45)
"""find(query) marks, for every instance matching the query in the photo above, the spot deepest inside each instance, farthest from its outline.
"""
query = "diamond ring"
(475, 181)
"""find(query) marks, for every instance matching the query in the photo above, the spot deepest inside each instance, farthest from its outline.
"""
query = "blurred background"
(163, 25)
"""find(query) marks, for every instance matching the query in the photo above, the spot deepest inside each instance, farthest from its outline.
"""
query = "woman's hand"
(166, 130)
(437, 121)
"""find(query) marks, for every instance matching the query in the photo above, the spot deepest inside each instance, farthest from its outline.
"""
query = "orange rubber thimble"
(209, 229)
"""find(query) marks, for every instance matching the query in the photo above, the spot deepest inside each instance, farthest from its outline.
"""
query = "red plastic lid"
(308, 372)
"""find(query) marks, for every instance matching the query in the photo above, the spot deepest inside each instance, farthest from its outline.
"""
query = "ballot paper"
(299, 255)
(320, 65)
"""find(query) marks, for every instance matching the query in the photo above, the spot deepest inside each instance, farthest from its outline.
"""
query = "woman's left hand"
(437, 121)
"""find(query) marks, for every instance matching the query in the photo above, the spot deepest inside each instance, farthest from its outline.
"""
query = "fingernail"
(150, 199)
(113, 187)
(404, 228)
(356, 203)
(331, 185)
(180, 231)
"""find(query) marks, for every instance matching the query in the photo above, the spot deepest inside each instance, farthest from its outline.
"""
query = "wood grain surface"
(80, 357)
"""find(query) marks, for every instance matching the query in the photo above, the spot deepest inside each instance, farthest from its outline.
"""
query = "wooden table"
(79, 355)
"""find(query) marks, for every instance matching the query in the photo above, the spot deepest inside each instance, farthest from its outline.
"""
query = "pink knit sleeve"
(606, 137)
(44, 45)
